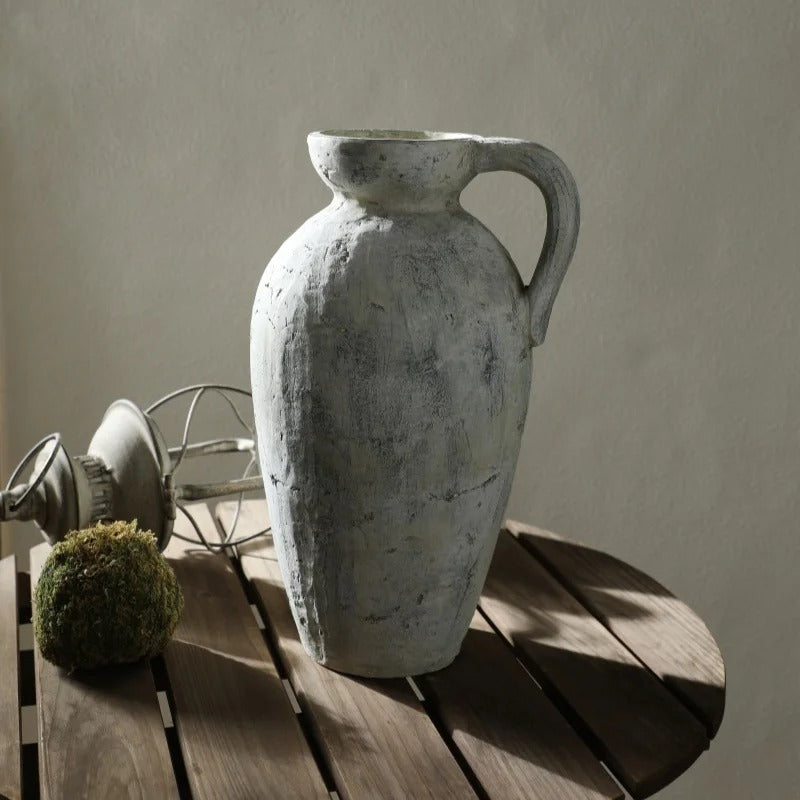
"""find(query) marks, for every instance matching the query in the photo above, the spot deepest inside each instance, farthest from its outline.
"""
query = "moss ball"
(105, 596)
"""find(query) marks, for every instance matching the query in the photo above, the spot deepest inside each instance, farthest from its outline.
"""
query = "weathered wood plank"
(374, 735)
(100, 732)
(10, 745)
(515, 741)
(238, 733)
(661, 630)
(645, 735)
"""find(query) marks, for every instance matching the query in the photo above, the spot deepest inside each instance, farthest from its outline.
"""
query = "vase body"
(391, 368)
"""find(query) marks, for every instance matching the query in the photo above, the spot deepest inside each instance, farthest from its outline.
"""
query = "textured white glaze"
(391, 367)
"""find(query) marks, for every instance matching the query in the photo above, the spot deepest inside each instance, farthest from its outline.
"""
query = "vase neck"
(408, 170)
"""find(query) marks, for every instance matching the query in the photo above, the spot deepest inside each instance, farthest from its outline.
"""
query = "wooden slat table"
(10, 745)
(580, 677)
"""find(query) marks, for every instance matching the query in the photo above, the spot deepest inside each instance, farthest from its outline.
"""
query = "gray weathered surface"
(391, 368)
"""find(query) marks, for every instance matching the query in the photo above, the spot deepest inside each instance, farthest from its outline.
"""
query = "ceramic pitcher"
(391, 365)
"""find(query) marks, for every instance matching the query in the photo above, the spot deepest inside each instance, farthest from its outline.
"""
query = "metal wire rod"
(193, 388)
(206, 491)
(229, 535)
(213, 446)
(217, 388)
(213, 545)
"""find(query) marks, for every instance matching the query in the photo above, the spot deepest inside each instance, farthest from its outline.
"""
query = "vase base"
(389, 669)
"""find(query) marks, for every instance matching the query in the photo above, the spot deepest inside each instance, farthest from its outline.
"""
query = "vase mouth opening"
(390, 135)
(394, 167)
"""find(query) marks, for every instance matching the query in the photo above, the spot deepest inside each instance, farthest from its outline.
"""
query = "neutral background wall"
(152, 158)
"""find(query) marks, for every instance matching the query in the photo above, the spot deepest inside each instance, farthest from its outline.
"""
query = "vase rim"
(390, 135)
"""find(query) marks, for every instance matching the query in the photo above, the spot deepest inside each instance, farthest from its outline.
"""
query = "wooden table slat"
(645, 735)
(663, 631)
(100, 732)
(515, 741)
(238, 733)
(375, 736)
(10, 743)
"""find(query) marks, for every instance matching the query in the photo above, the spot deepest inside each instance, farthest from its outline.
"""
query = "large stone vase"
(391, 365)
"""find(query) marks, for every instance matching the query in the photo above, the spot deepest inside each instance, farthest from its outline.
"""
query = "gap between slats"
(270, 637)
(429, 706)
(573, 719)
(308, 730)
(29, 722)
(639, 770)
(556, 575)
(87, 704)
(29, 719)
(576, 592)
(166, 705)
(217, 533)
(10, 689)
(261, 617)
(223, 677)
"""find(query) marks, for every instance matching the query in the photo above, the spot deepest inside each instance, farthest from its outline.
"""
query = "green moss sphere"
(105, 596)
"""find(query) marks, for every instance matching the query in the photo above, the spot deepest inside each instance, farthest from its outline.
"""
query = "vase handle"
(556, 183)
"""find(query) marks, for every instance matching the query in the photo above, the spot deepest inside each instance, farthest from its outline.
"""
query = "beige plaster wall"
(152, 157)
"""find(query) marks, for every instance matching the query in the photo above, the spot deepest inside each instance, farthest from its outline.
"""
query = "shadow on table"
(603, 581)
(579, 584)
(491, 698)
(119, 685)
(486, 695)
(619, 710)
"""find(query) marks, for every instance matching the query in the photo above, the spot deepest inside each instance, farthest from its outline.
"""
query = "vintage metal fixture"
(128, 472)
